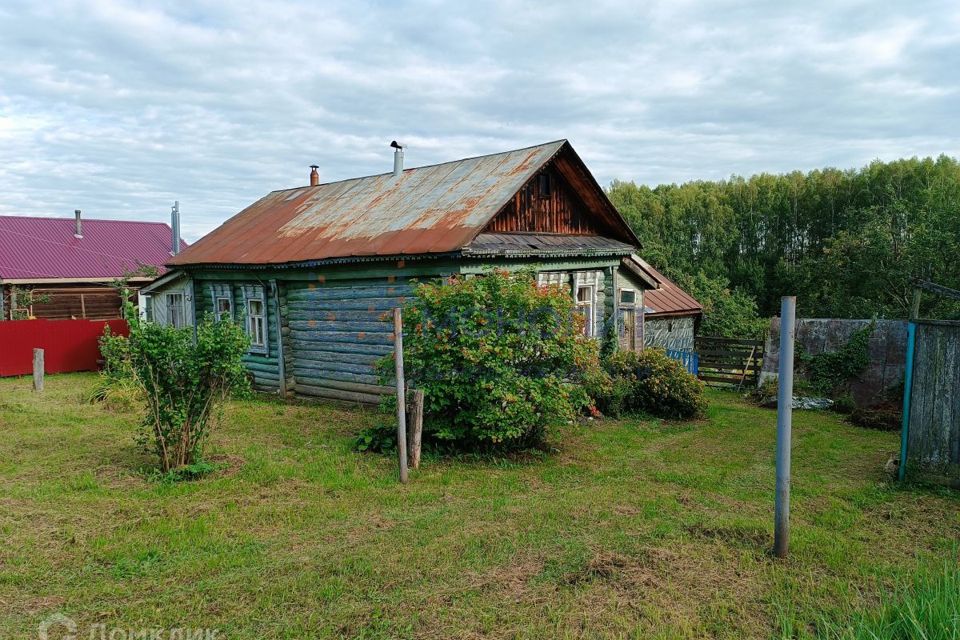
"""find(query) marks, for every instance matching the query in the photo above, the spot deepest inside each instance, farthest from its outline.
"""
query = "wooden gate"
(933, 410)
(729, 362)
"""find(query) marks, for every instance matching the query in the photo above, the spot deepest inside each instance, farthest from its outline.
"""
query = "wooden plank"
(308, 374)
(364, 304)
(302, 345)
(321, 325)
(372, 389)
(364, 337)
(337, 394)
(387, 290)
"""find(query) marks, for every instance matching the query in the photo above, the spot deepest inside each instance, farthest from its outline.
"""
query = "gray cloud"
(119, 108)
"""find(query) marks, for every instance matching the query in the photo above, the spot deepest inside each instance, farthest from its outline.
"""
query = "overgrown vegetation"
(499, 359)
(185, 380)
(180, 379)
(846, 243)
(829, 373)
(927, 607)
(630, 529)
(647, 382)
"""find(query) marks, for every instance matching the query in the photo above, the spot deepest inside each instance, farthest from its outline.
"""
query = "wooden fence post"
(416, 418)
(38, 369)
(401, 395)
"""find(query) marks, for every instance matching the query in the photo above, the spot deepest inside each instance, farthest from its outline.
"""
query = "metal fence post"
(907, 392)
(401, 394)
(781, 531)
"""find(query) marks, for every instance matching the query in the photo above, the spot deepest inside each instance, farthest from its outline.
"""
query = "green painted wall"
(335, 322)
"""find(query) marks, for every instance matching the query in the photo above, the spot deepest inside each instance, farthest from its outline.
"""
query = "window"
(546, 188)
(585, 298)
(176, 313)
(223, 308)
(550, 278)
(628, 319)
(255, 323)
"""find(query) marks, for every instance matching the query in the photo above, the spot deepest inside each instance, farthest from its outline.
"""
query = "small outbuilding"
(671, 316)
(313, 272)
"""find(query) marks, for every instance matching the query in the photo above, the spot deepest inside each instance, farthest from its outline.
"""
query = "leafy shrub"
(650, 382)
(829, 373)
(379, 437)
(185, 383)
(117, 388)
(499, 359)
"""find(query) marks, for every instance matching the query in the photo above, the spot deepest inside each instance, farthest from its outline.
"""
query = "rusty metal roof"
(426, 210)
(667, 299)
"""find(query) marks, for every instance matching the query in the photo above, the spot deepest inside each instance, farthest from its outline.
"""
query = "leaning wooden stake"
(38, 369)
(401, 399)
(416, 417)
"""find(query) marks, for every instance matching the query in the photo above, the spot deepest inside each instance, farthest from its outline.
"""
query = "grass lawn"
(630, 529)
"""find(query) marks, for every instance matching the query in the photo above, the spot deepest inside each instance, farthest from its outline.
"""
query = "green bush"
(649, 382)
(499, 359)
(185, 382)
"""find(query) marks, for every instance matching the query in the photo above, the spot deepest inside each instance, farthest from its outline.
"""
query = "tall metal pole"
(907, 392)
(781, 529)
(401, 394)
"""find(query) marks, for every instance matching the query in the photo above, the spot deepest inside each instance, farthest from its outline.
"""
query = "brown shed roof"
(667, 299)
(426, 210)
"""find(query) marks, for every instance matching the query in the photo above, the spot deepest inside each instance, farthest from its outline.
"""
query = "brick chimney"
(314, 176)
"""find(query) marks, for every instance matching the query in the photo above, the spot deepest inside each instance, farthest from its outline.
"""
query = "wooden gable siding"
(560, 212)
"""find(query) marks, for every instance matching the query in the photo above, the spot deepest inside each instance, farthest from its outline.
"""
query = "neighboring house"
(671, 316)
(313, 272)
(59, 268)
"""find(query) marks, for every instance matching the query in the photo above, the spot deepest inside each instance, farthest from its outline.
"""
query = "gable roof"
(435, 209)
(33, 248)
(667, 299)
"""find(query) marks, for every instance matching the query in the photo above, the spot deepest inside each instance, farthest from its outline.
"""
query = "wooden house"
(311, 271)
(671, 316)
(62, 268)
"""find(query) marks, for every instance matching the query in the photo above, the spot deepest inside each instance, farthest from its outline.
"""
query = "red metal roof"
(668, 299)
(34, 248)
(434, 209)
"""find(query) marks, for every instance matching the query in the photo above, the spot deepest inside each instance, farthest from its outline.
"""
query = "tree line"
(847, 243)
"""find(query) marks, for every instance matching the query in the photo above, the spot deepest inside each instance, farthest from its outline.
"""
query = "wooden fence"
(933, 433)
(729, 362)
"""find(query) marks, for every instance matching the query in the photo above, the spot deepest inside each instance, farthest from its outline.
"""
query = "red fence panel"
(68, 345)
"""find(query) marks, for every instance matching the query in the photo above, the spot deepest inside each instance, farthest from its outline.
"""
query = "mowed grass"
(631, 528)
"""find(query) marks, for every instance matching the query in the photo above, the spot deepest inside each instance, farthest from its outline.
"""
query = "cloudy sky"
(119, 107)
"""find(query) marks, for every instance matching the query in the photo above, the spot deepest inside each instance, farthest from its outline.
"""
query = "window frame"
(220, 314)
(587, 308)
(170, 317)
(252, 322)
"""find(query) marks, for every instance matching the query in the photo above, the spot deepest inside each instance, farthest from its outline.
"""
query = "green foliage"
(192, 471)
(499, 359)
(379, 437)
(648, 382)
(927, 607)
(846, 243)
(726, 313)
(22, 301)
(185, 383)
(829, 373)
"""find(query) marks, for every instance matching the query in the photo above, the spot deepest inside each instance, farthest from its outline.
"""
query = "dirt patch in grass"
(744, 537)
